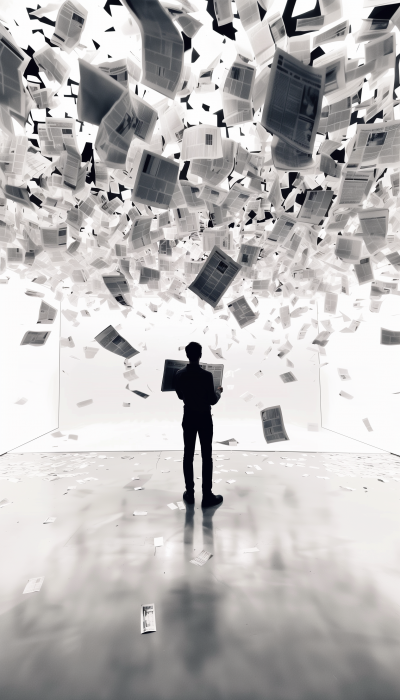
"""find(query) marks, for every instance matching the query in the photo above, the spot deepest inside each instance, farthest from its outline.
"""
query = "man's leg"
(189, 438)
(206, 435)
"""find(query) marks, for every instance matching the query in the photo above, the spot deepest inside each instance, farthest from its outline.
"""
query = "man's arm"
(214, 394)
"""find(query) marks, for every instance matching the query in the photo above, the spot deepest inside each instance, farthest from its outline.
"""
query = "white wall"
(374, 371)
(101, 378)
(26, 371)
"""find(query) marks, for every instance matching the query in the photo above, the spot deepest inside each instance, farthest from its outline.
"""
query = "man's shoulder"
(180, 372)
(189, 371)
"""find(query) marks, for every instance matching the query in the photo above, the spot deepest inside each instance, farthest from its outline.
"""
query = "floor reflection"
(313, 615)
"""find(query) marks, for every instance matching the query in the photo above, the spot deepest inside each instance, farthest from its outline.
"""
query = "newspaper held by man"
(171, 367)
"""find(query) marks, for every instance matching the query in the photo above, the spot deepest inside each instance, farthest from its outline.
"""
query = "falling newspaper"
(111, 340)
(293, 103)
(242, 312)
(273, 426)
(162, 46)
(214, 278)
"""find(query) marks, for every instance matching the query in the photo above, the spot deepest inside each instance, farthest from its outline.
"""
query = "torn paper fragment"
(345, 395)
(81, 404)
(22, 401)
(367, 425)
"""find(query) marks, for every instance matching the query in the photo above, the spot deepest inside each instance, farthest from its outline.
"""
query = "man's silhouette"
(195, 387)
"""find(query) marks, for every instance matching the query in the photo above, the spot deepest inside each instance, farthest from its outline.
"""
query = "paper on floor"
(34, 585)
(147, 618)
(202, 558)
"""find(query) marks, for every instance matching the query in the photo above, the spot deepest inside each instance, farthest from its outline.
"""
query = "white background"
(26, 371)
(159, 416)
(374, 371)
(154, 423)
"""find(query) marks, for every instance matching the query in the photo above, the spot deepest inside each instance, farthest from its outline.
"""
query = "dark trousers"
(201, 423)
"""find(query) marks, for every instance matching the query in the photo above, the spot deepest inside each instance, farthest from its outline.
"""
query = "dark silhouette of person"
(195, 387)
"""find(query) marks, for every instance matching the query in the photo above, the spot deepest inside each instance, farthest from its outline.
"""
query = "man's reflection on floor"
(198, 598)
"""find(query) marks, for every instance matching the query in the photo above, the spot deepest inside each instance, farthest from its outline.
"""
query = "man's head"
(193, 352)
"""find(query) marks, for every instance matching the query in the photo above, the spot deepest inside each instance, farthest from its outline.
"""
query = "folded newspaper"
(202, 558)
(147, 618)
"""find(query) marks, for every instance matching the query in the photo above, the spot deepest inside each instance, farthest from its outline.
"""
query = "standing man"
(195, 387)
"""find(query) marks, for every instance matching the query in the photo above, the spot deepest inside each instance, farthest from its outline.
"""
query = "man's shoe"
(211, 500)
(188, 497)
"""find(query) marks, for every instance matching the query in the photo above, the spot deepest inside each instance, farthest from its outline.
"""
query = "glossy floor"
(313, 615)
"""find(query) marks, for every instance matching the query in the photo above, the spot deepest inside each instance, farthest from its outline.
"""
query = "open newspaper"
(273, 425)
(214, 278)
(293, 102)
(155, 180)
(162, 46)
(216, 170)
(12, 65)
(375, 144)
(36, 338)
(315, 206)
(129, 117)
(242, 312)
(117, 286)
(47, 313)
(171, 367)
(236, 96)
(70, 23)
(111, 340)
